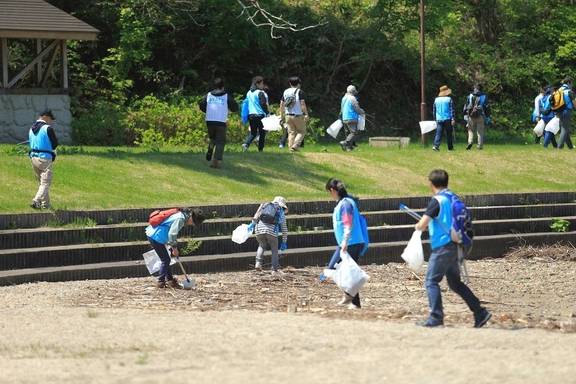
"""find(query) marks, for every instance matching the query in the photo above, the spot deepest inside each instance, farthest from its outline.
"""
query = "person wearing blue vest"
(257, 110)
(350, 111)
(477, 110)
(216, 106)
(443, 112)
(546, 114)
(43, 141)
(166, 234)
(347, 231)
(444, 258)
(565, 115)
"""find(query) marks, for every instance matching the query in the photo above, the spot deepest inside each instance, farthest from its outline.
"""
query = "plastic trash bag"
(427, 126)
(153, 262)
(335, 128)
(241, 234)
(361, 123)
(413, 254)
(539, 128)
(348, 276)
(272, 123)
(553, 125)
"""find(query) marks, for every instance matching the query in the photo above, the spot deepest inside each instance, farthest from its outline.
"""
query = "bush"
(102, 126)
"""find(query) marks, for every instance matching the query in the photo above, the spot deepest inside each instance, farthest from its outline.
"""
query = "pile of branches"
(555, 252)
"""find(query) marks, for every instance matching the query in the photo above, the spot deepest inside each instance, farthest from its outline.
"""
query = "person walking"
(347, 231)
(257, 110)
(216, 105)
(535, 118)
(294, 112)
(268, 221)
(444, 258)
(350, 112)
(546, 114)
(478, 110)
(443, 112)
(166, 233)
(565, 114)
(43, 142)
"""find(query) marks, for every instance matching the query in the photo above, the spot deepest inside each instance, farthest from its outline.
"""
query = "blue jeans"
(441, 127)
(165, 273)
(444, 261)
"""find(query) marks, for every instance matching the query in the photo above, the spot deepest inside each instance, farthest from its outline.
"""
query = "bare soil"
(251, 327)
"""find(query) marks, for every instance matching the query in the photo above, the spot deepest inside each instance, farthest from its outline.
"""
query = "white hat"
(280, 201)
(351, 89)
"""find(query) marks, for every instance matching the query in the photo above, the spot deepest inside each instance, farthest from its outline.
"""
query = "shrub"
(102, 126)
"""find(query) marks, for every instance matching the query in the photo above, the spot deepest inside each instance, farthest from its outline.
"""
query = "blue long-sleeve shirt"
(443, 109)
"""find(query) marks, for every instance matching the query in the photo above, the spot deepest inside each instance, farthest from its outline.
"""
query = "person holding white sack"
(444, 258)
(347, 231)
(351, 113)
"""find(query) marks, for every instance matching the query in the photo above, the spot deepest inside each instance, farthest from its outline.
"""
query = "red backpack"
(157, 217)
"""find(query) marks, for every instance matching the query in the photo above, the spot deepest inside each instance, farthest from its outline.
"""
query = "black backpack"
(290, 100)
(475, 109)
(269, 213)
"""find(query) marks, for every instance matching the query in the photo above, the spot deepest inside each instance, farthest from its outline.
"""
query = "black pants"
(165, 270)
(256, 128)
(217, 135)
(354, 252)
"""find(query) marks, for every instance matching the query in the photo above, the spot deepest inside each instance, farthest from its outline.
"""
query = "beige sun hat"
(280, 201)
(444, 91)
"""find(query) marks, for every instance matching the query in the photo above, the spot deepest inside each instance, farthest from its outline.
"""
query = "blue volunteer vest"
(356, 237)
(442, 105)
(348, 111)
(440, 225)
(160, 233)
(254, 107)
(567, 99)
(40, 141)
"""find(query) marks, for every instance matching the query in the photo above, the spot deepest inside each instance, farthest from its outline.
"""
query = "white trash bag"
(241, 234)
(413, 254)
(272, 123)
(553, 125)
(539, 128)
(348, 276)
(153, 262)
(361, 123)
(427, 126)
(335, 128)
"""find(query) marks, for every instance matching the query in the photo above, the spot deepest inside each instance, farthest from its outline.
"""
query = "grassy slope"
(112, 178)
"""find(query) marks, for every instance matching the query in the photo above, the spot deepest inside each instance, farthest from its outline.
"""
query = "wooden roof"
(36, 19)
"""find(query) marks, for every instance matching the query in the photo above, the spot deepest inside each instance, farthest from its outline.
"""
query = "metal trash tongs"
(461, 253)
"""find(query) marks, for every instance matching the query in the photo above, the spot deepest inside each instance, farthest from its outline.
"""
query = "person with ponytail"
(347, 231)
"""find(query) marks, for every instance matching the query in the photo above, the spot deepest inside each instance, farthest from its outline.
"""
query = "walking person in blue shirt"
(444, 258)
(477, 109)
(350, 112)
(546, 114)
(257, 110)
(166, 234)
(443, 112)
(565, 115)
(43, 141)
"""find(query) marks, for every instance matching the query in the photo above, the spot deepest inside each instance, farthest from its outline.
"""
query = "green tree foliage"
(173, 49)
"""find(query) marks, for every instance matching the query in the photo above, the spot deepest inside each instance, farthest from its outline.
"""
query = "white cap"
(280, 201)
(351, 89)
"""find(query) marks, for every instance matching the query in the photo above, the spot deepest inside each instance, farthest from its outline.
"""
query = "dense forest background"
(154, 58)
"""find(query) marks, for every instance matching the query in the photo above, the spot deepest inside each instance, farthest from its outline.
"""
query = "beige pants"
(43, 171)
(296, 130)
(476, 124)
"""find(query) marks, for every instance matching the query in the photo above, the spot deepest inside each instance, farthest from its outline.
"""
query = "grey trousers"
(268, 242)
(565, 125)
(352, 129)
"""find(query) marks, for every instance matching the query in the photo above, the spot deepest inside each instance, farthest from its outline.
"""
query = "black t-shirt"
(433, 208)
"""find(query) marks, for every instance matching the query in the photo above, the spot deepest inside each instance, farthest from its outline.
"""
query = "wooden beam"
(29, 67)
(48, 35)
(4, 62)
(48, 70)
(64, 55)
(39, 65)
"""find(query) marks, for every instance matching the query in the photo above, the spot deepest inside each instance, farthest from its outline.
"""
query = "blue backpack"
(461, 231)
(245, 111)
(545, 105)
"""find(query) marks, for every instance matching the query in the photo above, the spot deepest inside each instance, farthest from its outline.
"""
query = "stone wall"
(18, 112)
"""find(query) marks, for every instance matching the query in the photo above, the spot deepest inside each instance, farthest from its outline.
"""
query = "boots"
(216, 164)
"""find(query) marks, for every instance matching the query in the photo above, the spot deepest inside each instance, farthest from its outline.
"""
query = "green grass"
(95, 177)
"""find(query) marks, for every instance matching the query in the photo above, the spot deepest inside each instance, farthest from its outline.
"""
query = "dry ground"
(249, 327)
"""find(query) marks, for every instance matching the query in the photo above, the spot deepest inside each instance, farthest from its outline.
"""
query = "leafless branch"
(260, 17)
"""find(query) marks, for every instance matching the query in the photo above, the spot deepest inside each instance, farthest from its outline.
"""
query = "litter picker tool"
(188, 283)
(461, 253)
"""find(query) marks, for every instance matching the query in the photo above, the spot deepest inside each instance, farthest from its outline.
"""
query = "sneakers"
(35, 205)
(280, 145)
(209, 153)
(346, 300)
(431, 322)
(216, 164)
(161, 284)
(244, 147)
(174, 284)
(343, 145)
(469, 147)
(436, 149)
(481, 318)
(353, 306)
(258, 266)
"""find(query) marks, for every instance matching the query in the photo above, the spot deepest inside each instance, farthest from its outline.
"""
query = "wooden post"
(39, 65)
(4, 62)
(422, 69)
(64, 53)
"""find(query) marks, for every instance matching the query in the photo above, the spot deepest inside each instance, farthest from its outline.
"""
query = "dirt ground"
(250, 327)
